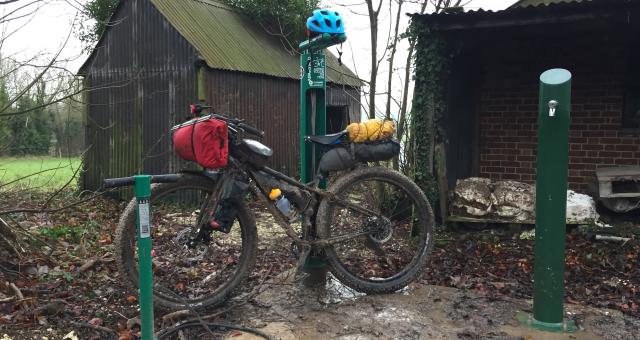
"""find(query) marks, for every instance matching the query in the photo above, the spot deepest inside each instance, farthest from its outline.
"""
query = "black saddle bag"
(345, 157)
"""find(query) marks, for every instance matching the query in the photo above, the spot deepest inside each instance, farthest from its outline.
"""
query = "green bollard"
(551, 202)
(313, 121)
(143, 194)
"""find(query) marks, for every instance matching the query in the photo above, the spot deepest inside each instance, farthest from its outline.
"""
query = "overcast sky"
(44, 32)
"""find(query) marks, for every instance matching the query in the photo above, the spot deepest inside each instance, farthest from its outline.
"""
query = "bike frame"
(306, 242)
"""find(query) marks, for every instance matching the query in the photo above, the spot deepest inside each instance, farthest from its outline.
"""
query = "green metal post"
(551, 200)
(313, 108)
(143, 194)
(313, 121)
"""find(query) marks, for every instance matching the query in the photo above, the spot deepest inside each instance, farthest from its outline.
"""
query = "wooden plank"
(622, 195)
(485, 220)
(441, 175)
(618, 173)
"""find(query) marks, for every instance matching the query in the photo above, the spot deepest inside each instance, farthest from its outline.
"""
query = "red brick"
(495, 157)
(511, 176)
(510, 164)
(627, 161)
(597, 133)
(494, 169)
(593, 147)
(524, 158)
(626, 154)
(609, 154)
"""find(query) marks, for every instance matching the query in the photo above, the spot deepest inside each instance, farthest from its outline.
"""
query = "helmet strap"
(340, 55)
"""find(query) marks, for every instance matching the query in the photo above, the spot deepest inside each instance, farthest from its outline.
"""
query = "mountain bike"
(373, 225)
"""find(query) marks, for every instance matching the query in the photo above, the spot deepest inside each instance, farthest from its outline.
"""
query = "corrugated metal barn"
(158, 56)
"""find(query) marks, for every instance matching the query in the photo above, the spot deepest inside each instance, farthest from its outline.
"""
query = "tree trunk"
(402, 116)
(394, 46)
(373, 21)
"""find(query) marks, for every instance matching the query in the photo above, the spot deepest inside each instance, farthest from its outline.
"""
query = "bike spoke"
(372, 227)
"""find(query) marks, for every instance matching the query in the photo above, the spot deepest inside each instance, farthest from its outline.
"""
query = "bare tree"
(393, 47)
(374, 12)
(33, 88)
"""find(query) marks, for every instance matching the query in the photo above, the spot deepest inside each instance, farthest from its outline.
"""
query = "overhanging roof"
(227, 40)
(534, 12)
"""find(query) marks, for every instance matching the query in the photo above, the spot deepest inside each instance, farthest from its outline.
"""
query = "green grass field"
(42, 173)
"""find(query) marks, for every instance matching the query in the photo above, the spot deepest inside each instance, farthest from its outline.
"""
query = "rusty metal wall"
(271, 104)
(141, 79)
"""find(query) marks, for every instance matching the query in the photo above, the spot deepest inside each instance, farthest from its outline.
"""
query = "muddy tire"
(164, 297)
(390, 258)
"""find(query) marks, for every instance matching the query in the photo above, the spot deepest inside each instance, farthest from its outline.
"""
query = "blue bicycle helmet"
(326, 21)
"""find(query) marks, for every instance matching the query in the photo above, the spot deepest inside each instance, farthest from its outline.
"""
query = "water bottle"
(282, 203)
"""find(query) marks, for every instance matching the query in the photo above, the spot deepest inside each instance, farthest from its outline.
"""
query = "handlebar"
(127, 181)
(234, 123)
(251, 130)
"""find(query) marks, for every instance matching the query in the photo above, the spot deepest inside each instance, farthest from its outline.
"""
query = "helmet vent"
(324, 12)
(328, 22)
(338, 23)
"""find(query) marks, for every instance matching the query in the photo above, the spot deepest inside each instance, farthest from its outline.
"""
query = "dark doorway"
(337, 118)
(460, 119)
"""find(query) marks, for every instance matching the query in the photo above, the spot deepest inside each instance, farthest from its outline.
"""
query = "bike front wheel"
(389, 246)
(183, 276)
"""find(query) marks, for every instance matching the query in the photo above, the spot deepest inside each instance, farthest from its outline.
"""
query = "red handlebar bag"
(206, 143)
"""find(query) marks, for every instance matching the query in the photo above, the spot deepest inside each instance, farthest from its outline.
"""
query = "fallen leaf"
(96, 321)
(125, 335)
(71, 336)
(132, 298)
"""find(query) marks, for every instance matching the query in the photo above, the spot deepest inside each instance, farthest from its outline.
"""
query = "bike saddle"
(332, 139)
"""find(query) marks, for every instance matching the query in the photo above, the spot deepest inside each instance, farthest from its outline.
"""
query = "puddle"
(335, 292)
(392, 313)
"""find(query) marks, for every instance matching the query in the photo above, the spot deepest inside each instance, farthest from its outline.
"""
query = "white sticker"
(143, 215)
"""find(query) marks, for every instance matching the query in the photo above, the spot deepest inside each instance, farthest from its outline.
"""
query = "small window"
(631, 110)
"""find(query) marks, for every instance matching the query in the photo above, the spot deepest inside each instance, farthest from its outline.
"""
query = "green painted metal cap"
(555, 76)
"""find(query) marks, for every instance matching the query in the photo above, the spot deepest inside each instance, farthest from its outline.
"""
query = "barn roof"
(228, 40)
(524, 3)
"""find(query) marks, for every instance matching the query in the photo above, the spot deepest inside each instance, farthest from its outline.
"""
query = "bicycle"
(373, 224)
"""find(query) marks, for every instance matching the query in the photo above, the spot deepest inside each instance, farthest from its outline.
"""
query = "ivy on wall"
(432, 65)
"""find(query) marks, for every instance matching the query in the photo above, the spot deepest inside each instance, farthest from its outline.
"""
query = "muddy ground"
(418, 312)
(472, 289)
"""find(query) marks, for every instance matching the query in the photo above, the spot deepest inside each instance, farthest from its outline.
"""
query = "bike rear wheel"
(200, 277)
(393, 247)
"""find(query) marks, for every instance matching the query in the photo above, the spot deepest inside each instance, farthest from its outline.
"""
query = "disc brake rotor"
(379, 229)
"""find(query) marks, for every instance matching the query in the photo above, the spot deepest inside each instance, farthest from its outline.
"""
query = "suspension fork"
(213, 199)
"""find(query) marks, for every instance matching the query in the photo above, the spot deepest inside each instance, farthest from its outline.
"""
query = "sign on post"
(145, 273)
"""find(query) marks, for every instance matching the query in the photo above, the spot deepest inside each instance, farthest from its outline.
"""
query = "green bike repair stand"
(313, 121)
(551, 203)
(145, 273)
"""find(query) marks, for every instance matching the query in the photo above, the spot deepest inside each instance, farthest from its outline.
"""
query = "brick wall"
(507, 110)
